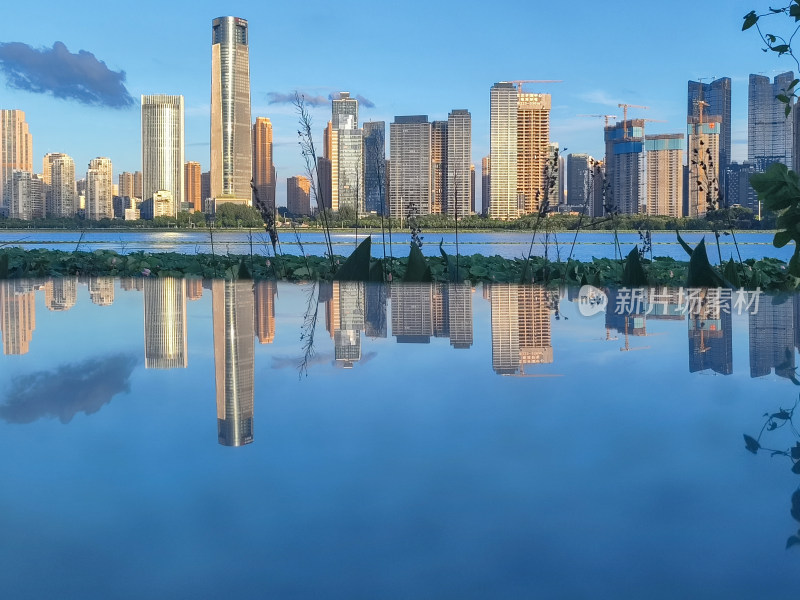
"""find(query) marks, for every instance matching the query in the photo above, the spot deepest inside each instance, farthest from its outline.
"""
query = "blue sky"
(423, 58)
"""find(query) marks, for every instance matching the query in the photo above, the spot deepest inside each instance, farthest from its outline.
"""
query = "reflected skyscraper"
(165, 327)
(710, 340)
(375, 318)
(772, 337)
(17, 315)
(234, 342)
(412, 314)
(265, 292)
(520, 328)
(459, 302)
(347, 337)
(61, 293)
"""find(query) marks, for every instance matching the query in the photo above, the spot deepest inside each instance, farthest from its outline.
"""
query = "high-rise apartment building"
(578, 178)
(346, 143)
(130, 184)
(769, 131)
(165, 324)
(503, 162)
(264, 297)
(298, 195)
(459, 161)
(738, 190)
(61, 294)
(486, 179)
(205, 187)
(410, 167)
(17, 315)
(375, 167)
(717, 96)
(625, 166)
(703, 158)
(27, 196)
(234, 355)
(344, 111)
(520, 328)
(16, 151)
(664, 174)
(192, 186)
(231, 146)
(99, 189)
(101, 290)
(534, 166)
(264, 175)
(163, 148)
(438, 167)
(61, 198)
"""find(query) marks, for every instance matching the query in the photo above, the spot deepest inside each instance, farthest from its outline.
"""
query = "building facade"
(163, 148)
(703, 185)
(16, 151)
(503, 161)
(375, 167)
(664, 174)
(625, 166)
(410, 167)
(534, 172)
(231, 146)
(264, 175)
(770, 133)
(192, 186)
(298, 195)
(61, 198)
(459, 162)
(99, 189)
(717, 95)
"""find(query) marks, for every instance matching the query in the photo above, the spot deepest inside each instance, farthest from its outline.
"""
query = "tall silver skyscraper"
(231, 147)
(163, 148)
(769, 130)
(410, 166)
(459, 161)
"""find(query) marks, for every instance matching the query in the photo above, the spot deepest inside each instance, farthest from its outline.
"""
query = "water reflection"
(17, 316)
(234, 339)
(520, 327)
(165, 325)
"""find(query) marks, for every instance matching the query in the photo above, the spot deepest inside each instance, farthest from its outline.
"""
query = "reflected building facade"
(710, 339)
(101, 290)
(17, 315)
(61, 293)
(521, 332)
(165, 329)
(772, 337)
(265, 291)
(232, 306)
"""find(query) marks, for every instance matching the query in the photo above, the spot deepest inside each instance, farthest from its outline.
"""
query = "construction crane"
(519, 82)
(701, 104)
(625, 108)
(606, 117)
(627, 347)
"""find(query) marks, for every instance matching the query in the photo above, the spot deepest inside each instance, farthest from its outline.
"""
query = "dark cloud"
(279, 98)
(365, 102)
(285, 362)
(66, 391)
(59, 72)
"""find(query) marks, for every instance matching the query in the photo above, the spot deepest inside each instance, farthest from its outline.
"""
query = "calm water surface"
(187, 439)
(507, 244)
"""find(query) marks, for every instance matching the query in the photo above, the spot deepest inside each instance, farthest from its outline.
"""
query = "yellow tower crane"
(625, 108)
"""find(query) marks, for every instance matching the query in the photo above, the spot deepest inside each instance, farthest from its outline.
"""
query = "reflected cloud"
(67, 390)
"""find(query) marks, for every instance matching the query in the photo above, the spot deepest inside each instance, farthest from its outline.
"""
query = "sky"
(78, 71)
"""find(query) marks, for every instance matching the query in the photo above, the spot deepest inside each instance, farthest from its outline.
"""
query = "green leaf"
(683, 244)
(700, 272)
(792, 541)
(417, 269)
(731, 273)
(750, 19)
(796, 468)
(356, 267)
(633, 274)
(794, 11)
(782, 238)
(782, 98)
(751, 444)
(796, 451)
(780, 48)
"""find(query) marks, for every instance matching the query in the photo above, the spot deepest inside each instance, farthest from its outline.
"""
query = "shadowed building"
(375, 167)
(486, 179)
(231, 146)
(770, 134)
(438, 167)
(717, 95)
(375, 306)
(165, 326)
(232, 303)
(578, 173)
(17, 316)
(772, 337)
(625, 165)
(350, 301)
(703, 185)
(298, 195)
(194, 288)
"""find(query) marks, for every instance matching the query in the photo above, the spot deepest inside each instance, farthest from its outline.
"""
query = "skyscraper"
(130, 184)
(410, 167)
(26, 198)
(717, 95)
(375, 167)
(231, 146)
(264, 175)
(459, 160)
(664, 174)
(769, 130)
(298, 195)
(17, 315)
(578, 177)
(347, 161)
(61, 199)
(438, 167)
(533, 154)
(625, 166)
(163, 148)
(192, 186)
(99, 189)
(344, 111)
(486, 179)
(503, 151)
(16, 151)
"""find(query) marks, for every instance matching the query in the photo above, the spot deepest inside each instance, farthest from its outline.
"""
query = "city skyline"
(182, 65)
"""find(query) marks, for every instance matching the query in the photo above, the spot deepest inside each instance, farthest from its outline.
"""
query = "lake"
(213, 439)
(506, 244)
